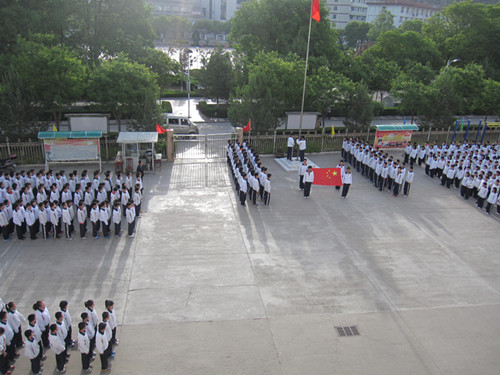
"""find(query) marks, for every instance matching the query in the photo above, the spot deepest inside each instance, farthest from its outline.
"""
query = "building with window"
(213, 10)
(402, 10)
(341, 12)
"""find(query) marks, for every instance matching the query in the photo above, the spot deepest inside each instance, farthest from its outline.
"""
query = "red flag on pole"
(327, 176)
(315, 12)
(160, 130)
(248, 127)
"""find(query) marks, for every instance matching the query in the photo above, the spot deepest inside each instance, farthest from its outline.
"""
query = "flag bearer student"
(109, 334)
(14, 318)
(66, 218)
(32, 351)
(302, 172)
(10, 347)
(267, 190)
(110, 308)
(342, 171)
(243, 188)
(43, 320)
(117, 218)
(137, 197)
(57, 346)
(94, 219)
(102, 346)
(84, 346)
(63, 306)
(408, 180)
(346, 182)
(104, 219)
(33, 326)
(398, 181)
(81, 214)
(308, 180)
(130, 213)
(492, 199)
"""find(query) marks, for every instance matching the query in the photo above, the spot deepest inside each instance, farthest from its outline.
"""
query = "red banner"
(327, 176)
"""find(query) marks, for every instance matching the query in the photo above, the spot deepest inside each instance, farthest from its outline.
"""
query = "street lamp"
(189, 82)
(451, 62)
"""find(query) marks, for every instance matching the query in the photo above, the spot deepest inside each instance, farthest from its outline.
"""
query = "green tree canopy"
(282, 26)
(122, 86)
(382, 23)
(54, 75)
(274, 86)
(217, 76)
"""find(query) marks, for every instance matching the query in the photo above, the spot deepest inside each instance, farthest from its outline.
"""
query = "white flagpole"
(305, 71)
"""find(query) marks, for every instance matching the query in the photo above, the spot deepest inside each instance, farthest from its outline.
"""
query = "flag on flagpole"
(54, 128)
(315, 11)
(248, 127)
(333, 131)
(327, 176)
(160, 130)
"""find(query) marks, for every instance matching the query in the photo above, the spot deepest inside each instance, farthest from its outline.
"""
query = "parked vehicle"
(8, 165)
(180, 125)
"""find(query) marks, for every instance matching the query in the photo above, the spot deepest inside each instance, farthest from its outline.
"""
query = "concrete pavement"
(210, 287)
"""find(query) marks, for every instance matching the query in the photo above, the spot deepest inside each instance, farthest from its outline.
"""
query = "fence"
(32, 152)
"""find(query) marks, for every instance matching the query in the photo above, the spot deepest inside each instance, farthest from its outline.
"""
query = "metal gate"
(202, 146)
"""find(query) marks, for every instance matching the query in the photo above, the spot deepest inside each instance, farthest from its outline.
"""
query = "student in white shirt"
(110, 308)
(32, 351)
(346, 182)
(398, 181)
(492, 199)
(104, 219)
(117, 218)
(308, 180)
(302, 147)
(66, 219)
(267, 190)
(57, 346)
(94, 219)
(408, 180)
(102, 347)
(81, 215)
(84, 346)
(302, 172)
(290, 145)
(63, 306)
(15, 318)
(130, 214)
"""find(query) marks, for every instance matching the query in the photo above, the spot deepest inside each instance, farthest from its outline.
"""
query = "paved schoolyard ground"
(210, 287)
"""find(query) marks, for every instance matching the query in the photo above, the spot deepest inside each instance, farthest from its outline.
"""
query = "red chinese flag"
(160, 130)
(248, 127)
(327, 176)
(315, 12)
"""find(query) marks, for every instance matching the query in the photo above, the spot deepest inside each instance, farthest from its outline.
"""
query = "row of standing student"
(41, 333)
(28, 186)
(380, 168)
(251, 179)
(49, 216)
(474, 170)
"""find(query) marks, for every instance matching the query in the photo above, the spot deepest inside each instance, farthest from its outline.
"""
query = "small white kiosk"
(138, 146)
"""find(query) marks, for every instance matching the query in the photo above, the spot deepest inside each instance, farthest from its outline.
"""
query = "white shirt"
(55, 343)
(302, 144)
(31, 349)
(347, 178)
(309, 176)
(101, 342)
(291, 141)
(83, 343)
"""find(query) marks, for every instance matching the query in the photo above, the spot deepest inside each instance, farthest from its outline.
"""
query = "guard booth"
(71, 147)
(138, 146)
(393, 136)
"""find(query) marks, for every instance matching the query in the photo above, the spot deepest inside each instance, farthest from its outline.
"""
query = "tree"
(172, 29)
(467, 31)
(405, 49)
(412, 25)
(216, 76)
(16, 105)
(488, 103)
(382, 23)
(354, 34)
(54, 75)
(282, 26)
(274, 86)
(165, 68)
(414, 95)
(379, 73)
(359, 105)
(108, 27)
(122, 86)
(328, 91)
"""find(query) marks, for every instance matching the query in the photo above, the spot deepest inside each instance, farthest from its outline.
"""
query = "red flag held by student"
(248, 127)
(327, 176)
(160, 130)
(315, 12)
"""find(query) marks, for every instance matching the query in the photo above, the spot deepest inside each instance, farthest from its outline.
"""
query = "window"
(334, 16)
(402, 9)
(335, 7)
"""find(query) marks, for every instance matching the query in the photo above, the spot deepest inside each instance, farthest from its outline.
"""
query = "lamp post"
(451, 62)
(189, 82)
